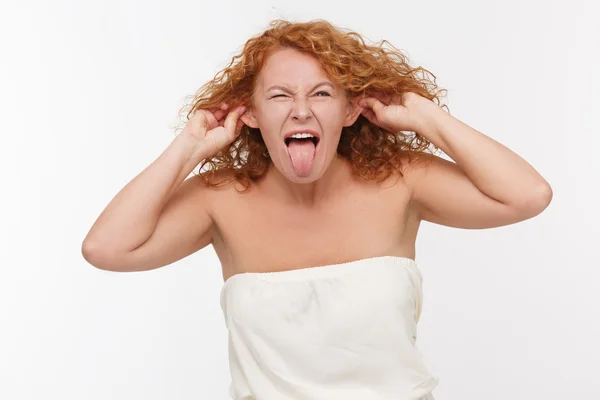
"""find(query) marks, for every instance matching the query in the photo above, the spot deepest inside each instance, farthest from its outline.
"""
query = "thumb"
(233, 118)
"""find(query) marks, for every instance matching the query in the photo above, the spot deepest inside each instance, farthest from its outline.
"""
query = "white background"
(89, 96)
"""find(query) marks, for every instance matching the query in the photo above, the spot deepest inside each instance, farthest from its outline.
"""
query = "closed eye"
(318, 93)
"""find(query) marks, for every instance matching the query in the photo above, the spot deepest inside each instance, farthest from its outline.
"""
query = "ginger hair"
(359, 68)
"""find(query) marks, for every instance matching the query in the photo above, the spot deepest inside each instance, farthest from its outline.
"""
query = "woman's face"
(294, 94)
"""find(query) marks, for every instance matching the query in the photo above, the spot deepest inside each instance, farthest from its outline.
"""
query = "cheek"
(330, 115)
(271, 114)
(270, 121)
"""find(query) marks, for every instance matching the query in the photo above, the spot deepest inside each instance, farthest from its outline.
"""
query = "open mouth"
(302, 150)
(314, 140)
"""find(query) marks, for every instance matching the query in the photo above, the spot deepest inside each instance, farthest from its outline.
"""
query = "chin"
(303, 179)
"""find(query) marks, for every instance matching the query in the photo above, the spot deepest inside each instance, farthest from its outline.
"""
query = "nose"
(301, 110)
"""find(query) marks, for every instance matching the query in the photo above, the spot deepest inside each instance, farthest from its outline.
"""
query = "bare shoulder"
(215, 181)
(217, 188)
(415, 164)
(417, 170)
(414, 167)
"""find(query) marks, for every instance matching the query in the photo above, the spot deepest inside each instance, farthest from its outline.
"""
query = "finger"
(239, 126)
(232, 119)
(197, 122)
(222, 111)
(222, 106)
(397, 99)
(211, 121)
(373, 104)
(369, 114)
(220, 114)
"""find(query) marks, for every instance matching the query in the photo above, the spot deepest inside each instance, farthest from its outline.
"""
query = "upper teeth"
(302, 135)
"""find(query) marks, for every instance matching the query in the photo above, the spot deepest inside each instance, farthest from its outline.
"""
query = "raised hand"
(215, 129)
(394, 114)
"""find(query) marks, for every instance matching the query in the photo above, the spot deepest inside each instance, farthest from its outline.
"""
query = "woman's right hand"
(216, 128)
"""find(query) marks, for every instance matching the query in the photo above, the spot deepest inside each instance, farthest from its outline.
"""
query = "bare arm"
(117, 238)
(487, 186)
(159, 218)
(445, 195)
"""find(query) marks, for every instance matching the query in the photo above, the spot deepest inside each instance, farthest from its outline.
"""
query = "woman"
(331, 141)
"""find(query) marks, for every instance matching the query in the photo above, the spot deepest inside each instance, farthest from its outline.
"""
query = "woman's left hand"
(396, 113)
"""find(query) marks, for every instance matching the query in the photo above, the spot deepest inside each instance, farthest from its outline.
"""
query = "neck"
(313, 193)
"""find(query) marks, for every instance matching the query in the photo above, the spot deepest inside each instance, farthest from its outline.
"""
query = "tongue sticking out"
(302, 153)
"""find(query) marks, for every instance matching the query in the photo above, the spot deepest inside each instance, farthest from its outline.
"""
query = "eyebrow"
(285, 89)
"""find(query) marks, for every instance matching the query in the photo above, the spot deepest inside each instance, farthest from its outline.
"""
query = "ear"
(249, 119)
(353, 110)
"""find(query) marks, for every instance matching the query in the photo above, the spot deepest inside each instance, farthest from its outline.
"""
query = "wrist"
(189, 147)
(427, 116)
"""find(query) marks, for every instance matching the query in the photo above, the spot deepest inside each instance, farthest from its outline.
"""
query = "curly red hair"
(359, 68)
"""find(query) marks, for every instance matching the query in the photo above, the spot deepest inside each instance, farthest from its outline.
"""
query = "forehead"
(291, 67)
